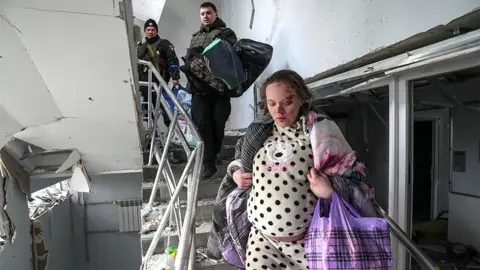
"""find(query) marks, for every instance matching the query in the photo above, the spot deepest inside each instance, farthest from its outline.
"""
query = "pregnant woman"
(285, 188)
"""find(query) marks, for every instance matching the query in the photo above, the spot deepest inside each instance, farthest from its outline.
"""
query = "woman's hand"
(243, 180)
(320, 184)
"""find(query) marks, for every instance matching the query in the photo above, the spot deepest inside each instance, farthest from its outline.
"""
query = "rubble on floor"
(170, 230)
(431, 237)
(201, 258)
(45, 199)
(151, 218)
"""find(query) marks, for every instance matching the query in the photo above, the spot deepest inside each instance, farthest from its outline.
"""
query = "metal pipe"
(160, 166)
(169, 176)
(171, 186)
(155, 121)
(193, 251)
(153, 133)
(149, 98)
(166, 214)
(418, 254)
(183, 248)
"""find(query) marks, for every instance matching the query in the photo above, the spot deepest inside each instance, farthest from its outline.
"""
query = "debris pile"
(45, 199)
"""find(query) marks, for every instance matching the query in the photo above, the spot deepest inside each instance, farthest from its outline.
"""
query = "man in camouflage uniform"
(210, 108)
(163, 57)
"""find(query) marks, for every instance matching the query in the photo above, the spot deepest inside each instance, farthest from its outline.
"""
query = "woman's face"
(283, 103)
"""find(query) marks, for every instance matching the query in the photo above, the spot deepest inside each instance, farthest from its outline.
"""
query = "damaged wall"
(313, 36)
(99, 244)
(70, 105)
(17, 255)
(57, 237)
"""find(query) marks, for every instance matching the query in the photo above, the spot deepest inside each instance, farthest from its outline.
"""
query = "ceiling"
(66, 80)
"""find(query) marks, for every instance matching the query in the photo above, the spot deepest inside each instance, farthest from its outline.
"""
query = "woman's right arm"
(243, 180)
(236, 164)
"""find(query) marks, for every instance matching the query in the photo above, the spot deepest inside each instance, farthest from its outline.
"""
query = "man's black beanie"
(150, 22)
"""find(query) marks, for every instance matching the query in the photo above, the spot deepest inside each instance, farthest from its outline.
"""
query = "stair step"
(207, 190)
(201, 238)
(201, 264)
(204, 212)
(226, 153)
(150, 172)
(206, 265)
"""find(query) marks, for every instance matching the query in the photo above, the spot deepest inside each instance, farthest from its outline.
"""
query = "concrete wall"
(17, 255)
(51, 54)
(98, 243)
(58, 237)
(146, 9)
(464, 225)
(313, 36)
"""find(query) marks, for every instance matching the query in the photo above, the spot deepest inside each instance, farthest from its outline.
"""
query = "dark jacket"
(206, 35)
(162, 55)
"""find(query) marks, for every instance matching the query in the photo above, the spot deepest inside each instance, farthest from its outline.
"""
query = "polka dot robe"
(281, 203)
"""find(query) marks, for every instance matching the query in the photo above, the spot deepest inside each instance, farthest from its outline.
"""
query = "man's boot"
(208, 171)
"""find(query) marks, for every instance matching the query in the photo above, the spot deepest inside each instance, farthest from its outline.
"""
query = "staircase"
(206, 197)
(177, 207)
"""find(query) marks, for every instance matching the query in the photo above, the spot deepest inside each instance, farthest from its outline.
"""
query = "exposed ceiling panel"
(22, 89)
(72, 82)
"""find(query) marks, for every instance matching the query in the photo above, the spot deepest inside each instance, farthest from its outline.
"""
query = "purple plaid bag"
(344, 240)
(233, 250)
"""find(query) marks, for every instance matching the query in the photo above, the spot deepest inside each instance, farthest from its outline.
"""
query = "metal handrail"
(186, 248)
(421, 257)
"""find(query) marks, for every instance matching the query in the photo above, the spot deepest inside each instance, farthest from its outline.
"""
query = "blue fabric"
(175, 91)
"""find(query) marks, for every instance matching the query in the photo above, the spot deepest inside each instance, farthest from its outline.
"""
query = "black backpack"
(255, 57)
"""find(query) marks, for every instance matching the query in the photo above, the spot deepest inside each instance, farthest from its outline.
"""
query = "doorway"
(423, 169)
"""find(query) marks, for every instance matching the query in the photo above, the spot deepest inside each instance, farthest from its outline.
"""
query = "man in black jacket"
(210, 108)
(163, 57)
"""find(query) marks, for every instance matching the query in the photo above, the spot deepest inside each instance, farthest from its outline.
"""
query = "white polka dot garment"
(281, 203)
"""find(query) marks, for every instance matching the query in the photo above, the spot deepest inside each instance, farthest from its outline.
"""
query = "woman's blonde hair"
(289, 77)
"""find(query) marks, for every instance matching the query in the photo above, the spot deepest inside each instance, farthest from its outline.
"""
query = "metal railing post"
(149, 99)
(186, 228)
(425, 261)
(166, 215)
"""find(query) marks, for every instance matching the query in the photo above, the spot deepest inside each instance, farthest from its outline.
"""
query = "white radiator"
(129, 217)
